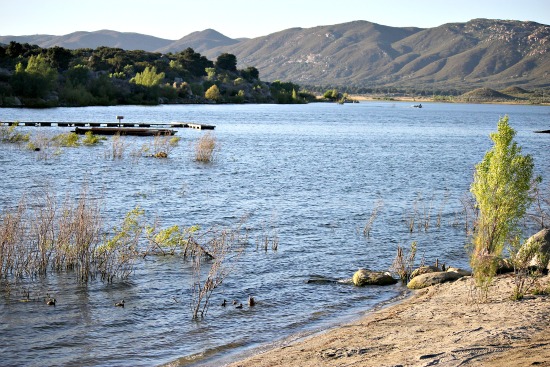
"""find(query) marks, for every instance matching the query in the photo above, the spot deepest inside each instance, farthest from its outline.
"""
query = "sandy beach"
(440, 325)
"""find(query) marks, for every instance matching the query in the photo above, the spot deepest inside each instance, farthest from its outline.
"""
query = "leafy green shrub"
(67, 139)
(501, 185)
(91, 139)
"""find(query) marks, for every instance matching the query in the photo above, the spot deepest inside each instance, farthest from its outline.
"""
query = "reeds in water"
(205, 148)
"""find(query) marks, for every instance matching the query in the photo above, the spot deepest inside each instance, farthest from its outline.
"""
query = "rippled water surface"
(308, 174)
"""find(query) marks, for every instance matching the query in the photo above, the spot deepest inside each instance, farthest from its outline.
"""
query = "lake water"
(311, 174)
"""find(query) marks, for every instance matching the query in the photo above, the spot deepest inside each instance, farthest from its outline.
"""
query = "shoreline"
(437, 325)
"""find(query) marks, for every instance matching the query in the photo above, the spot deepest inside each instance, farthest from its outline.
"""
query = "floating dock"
(135, 131)
(118, 124)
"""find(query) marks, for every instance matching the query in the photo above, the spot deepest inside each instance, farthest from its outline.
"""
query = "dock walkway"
(111, 124)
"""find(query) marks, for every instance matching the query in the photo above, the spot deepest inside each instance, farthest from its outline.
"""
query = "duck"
(224, 303)
(51, 302)
(251, 301)
(240, 305)
(120, 304)
(234, 301)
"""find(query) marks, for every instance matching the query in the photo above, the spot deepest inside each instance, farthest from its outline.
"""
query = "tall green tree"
(148, 78)
(501, 185)
(36, 79)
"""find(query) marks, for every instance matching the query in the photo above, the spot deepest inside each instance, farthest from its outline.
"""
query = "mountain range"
(482, 52)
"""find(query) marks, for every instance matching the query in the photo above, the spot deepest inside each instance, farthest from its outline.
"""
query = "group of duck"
(51, 302)
(239, 305)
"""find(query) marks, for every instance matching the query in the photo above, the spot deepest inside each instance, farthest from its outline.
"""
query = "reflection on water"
(311, 173)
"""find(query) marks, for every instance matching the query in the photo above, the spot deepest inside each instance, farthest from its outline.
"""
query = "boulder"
(428, 279)
(364, 277)
(424, 270)
(460, 271)
(537, 249)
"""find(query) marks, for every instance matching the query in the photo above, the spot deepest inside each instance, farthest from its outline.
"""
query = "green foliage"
(67, 140)
(331, 94)
(116, 256)
(36, 79)
(78, 74)
(171, 240)
(91, 139)
(110, 76)
(501, 185)
(210, 74)
(250, 73)
(148, 78)
(9, 134)
(226, 61)
(213, 93)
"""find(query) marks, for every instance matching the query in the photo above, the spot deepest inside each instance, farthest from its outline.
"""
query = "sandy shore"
(440, 325)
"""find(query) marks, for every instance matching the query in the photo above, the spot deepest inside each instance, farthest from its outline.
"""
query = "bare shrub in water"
(162, 146)
(13, 252)
(38, 238)
(117, 148)
(374, 213)
(205, 148)
(213, 264)
(403, 264)
(541, 216)
(78, 236)
(268, 236)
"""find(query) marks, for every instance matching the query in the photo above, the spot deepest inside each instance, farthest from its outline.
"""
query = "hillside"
(76, 40)
(481, 52)
(199, 41)
(362, 55)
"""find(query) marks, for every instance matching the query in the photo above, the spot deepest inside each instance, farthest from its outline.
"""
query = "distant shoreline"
(370, 98)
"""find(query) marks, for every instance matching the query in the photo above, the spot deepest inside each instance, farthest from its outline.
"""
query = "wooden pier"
(118, 124)
(135, 131)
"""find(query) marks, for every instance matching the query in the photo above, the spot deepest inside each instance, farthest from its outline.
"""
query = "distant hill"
(481, 52)
(124, 40)
(485, 95)
(199, 41)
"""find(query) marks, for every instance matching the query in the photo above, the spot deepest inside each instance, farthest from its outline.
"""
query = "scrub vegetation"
(51, 77)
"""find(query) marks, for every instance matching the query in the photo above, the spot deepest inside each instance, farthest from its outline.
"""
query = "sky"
(173, 19)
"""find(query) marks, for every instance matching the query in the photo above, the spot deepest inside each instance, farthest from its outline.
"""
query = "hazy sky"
(174, 19)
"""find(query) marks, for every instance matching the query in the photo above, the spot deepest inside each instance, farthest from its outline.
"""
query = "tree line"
(32, 76)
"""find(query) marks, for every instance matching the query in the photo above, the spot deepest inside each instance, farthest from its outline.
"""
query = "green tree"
(213, 93)
(36, 80)
(148, 78)
(250, 73)
(193, 62)
(501, 185)
(59, 57)
(331, 94)
(227, 62)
